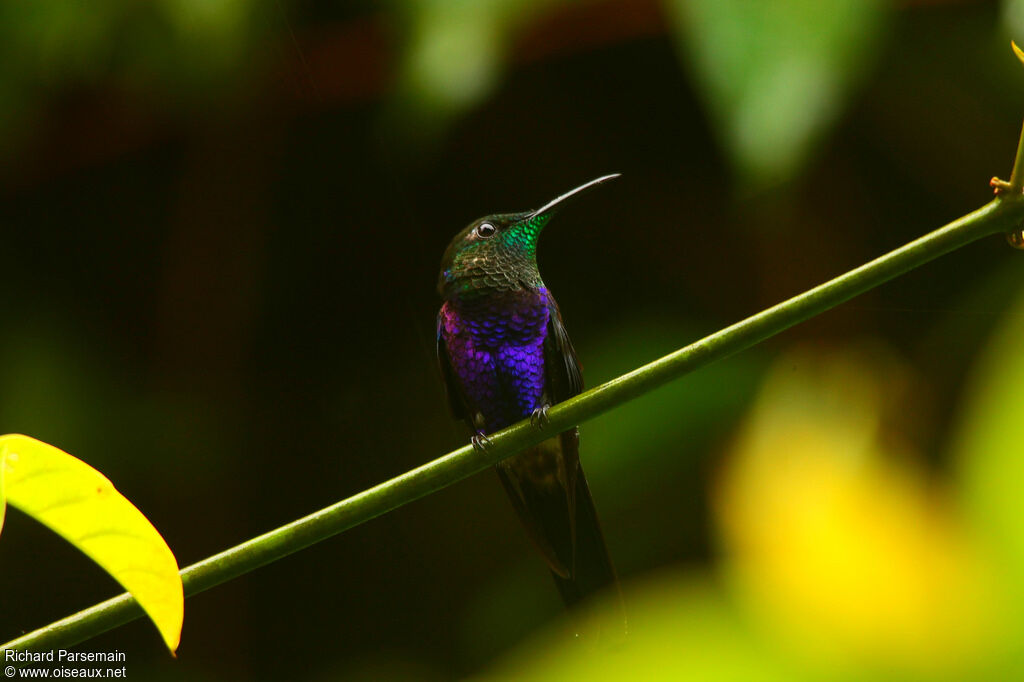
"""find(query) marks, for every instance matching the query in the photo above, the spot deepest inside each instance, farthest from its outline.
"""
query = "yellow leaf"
(3, 495)
(1017, 51)
(81, 505)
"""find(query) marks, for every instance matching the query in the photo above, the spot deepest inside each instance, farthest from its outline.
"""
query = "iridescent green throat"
(524, 235)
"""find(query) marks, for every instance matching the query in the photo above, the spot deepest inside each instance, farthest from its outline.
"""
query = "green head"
(499, 252)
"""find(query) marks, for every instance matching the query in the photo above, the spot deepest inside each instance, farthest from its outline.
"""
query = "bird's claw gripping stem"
(480, 441)
(539, 417)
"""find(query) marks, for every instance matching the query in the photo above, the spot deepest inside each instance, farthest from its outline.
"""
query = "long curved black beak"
(554, 203)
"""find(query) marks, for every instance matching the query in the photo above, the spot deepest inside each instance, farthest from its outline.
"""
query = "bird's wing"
(456, 402)
(564, 374)
(588, 559)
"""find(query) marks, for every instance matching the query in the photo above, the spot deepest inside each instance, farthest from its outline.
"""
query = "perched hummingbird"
(505, 355)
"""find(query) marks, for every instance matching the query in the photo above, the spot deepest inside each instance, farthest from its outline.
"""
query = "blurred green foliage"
(169, 51)
(689, 630)
(643, 440)
(987, 448)
(1013, 17)
(154, 45)
(455, 50)
(776, 75)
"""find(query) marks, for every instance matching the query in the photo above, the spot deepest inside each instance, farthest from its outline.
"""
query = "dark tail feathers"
(572, 543)
(592, 569)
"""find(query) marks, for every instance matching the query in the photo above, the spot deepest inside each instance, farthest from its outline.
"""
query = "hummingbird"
(504, 355)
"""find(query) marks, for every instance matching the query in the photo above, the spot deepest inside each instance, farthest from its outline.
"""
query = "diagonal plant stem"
(1003, 214)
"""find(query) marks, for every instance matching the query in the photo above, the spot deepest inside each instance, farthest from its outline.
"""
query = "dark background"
(217, 287)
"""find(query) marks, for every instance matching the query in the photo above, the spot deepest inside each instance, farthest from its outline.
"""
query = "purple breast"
(496, 347)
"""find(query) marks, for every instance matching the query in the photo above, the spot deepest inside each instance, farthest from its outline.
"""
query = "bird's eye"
(485, 230)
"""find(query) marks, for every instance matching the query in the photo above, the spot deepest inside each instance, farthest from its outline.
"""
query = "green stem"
(1000, 215)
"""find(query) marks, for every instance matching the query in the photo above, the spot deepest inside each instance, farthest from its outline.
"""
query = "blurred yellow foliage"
(835, 541)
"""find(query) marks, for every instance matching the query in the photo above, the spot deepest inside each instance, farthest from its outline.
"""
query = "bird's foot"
(539, 417)
(480, 441)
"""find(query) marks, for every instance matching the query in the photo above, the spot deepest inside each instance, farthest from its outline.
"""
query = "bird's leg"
(480, 441)
(539, 417)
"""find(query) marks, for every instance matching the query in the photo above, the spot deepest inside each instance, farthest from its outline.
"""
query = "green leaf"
(775, 75)
(81, 505)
